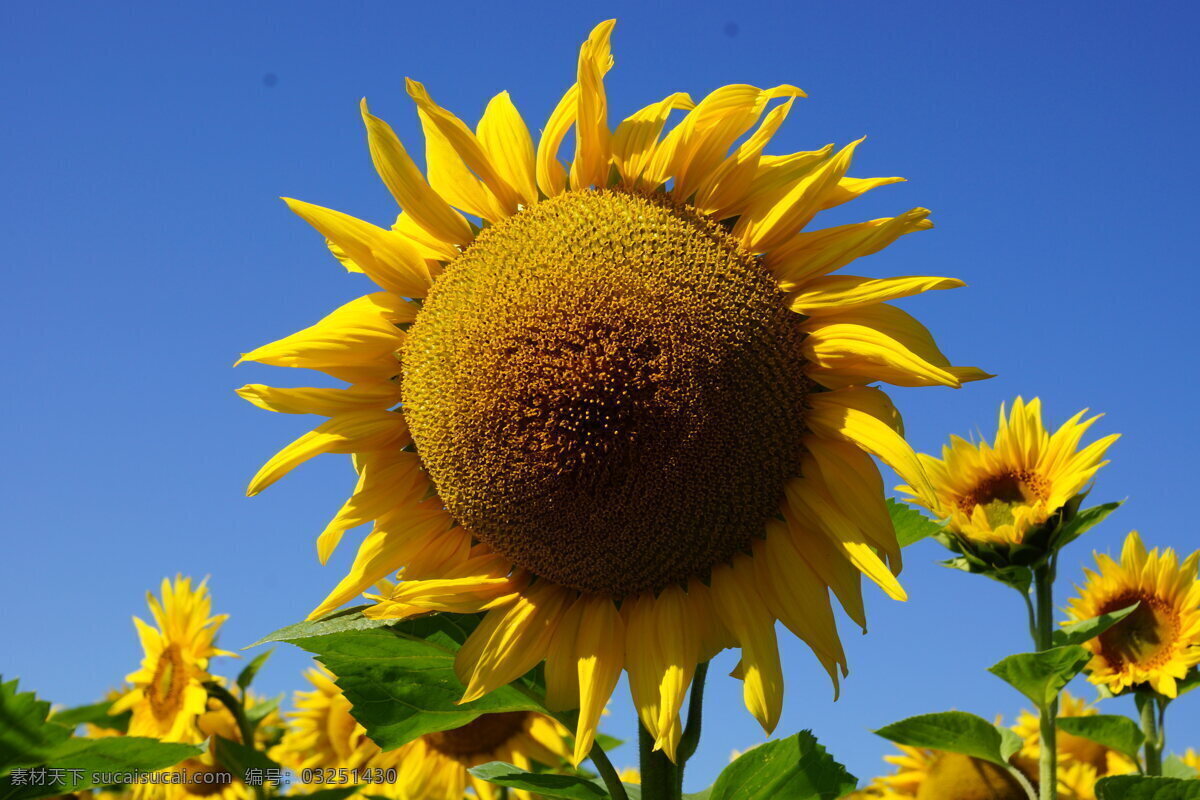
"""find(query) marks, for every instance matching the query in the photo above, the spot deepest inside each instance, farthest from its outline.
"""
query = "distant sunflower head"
(1159, 642)
(998, 493)
(925, 774)
(322, 735)
(168, 691)
(616, 397)
(1073, 750)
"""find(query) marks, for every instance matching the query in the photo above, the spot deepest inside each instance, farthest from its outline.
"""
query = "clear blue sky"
(145, 146)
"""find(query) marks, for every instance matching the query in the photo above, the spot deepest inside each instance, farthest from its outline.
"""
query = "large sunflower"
(168, 691)
(629, 416)
(1160, 641)
(997, 493)
(322, 735)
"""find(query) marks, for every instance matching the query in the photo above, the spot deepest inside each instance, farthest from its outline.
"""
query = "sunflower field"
(615, 401)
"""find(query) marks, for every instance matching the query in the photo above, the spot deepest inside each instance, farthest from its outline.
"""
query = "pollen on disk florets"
(607, 389)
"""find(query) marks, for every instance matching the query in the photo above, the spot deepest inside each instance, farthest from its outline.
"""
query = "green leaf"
(94, 714)
(26, 738)
(238, 758)
(246, 676)
(1041, 676)
(608, 743)
(400, 680)
(1111, 730)
(911, 525)
(797, 768)
(1189, 682)
(1136, 787)
(568, 787)
(1083, 521)
(84, 763)
(259, 711)
(955, 732)
(1080, 632)
(1019, 578)
(1173, 767)
(350, 619)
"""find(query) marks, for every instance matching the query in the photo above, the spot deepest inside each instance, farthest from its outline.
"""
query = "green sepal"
(1136, 787)
(956, 732)
(797, 768)
(1111, 730)
(1041, 676)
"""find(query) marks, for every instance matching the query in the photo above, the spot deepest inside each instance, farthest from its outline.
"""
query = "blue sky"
(145, 147)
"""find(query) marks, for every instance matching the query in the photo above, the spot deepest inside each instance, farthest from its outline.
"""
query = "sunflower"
(1072, 749)
(1191, 758)
(626, 413)
(926, 774)
(998, 493)
(168, 691)
(1160, 641)
(323, 735)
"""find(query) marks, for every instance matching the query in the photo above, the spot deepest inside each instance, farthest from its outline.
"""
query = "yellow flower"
(168, 691)
(1160, 641)
(1072, 749)
(634, 422)
(998, 493)
(926, 774)
(1191, 758)
(322, 735)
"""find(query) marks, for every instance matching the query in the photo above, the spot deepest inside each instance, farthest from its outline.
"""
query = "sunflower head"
(938, 775)
(1072, 749)
(1159, 642)
(623, 395)
(168, 691)
(1004, 493)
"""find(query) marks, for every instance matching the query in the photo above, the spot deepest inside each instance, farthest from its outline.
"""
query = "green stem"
(612, 781)
(1147, 703)
(658, 773)
(691, 731)
(1043, 580)
(245, 729)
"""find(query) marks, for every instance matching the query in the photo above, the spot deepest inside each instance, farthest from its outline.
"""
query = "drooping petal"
(592, 146)
(511, 640)
(599, 658)
(356, 432)
(736, 597)
(853, 481)
(387, 479)
(551, 175)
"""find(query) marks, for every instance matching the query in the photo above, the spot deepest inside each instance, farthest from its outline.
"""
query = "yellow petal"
(362, 333)
(599, 658)
(853, 481)
(386, 480)
(452, 179)
(391, 546)
(466, 145)
(562, 677)
(551, 175)
(736, 597)
(844, 353)
(477, 584)
(326, 402)
(635, 140)
(727, 188)
(592, 146)
(506, 140)
(510, 641)
(848, 189)
(358, 431)
(850, 414)
(404, 180)
(814, 253)
(429, 247)
(832, 294)
(386, 257)
(773, 220)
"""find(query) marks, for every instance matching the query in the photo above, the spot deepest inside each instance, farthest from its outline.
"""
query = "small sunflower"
(997, 493)
(1191, 758)
(1160, 641)
(323, 735)
(1072, 749)
(168, 691)
(925, 774)
(627, 413)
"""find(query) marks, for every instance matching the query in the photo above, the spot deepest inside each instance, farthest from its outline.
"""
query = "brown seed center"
(481, 735)
(608, 390)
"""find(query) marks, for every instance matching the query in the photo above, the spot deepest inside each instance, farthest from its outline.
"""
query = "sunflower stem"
(658, 773)
(1043, 580)
(691, 731)
(612, 781)
(1147, 702)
